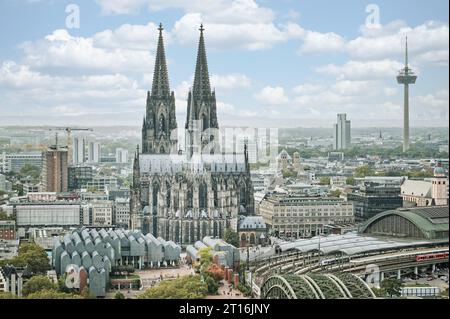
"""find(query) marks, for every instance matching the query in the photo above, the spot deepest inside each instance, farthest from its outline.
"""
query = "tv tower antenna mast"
(406, 77)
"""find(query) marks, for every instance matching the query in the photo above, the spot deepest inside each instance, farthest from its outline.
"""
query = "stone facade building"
(185, 196)
(428, 192)
(303, 217)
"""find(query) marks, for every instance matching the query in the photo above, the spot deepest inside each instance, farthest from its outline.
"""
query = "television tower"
(406, 77)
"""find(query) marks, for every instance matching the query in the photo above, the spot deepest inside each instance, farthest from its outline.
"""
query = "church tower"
(135, 198)
(439, 190)
(160, 121)
(201, 122)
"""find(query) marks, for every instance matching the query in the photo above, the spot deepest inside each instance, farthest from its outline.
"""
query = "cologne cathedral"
(184, 195)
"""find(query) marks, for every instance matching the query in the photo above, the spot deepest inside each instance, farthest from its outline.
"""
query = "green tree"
(288, 173)
(33, 255)
(187, 287)
(391, 287)
(37, 283)
(246, 291)
(18, 188)
(363, 171)
(212, 284)
(205, 259)
(119, 295)
(336, 193)
(350, 180)
(325, 180)
(378, 292)
(4, 216)
(231, 237)
(52, 294)
(62, 287)
(420, 174)
(86, 294)
(6, 295)
(30, 170)
(92, 189)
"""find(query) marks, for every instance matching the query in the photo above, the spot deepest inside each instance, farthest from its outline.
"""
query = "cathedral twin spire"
(160, 76)
(202, 85)
(160, 116)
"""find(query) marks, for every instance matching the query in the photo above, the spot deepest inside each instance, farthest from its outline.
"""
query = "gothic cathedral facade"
(185, 195)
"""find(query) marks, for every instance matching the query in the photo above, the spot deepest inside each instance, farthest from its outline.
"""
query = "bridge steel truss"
(315, 286)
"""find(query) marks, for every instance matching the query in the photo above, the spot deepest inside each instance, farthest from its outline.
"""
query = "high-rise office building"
(94, 152)
(79, 150)
(121, 155)
(55, 169)
(342, 132)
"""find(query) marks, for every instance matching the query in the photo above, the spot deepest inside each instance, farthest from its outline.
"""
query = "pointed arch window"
(215, 230)
(155, 191)
(177, 232)
(203, 196)
(168, 194)
(216, 197)
(205, 122)
(162, 124)
(192, 233)
(189, 197)
(242, 196)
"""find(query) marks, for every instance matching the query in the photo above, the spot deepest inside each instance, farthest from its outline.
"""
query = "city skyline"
(244, 150)
(101, 71)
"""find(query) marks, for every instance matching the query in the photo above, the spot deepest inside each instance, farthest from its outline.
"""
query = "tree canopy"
(38, 283)
(363, 171)
(231, 237)
(391, 287)
(30, 254)
(187, 287)
(287, 173)
(52, 294)
(350, 180)
(6, 295)
(30, 170)
(4, 216)
(325, 180)
(336, 193)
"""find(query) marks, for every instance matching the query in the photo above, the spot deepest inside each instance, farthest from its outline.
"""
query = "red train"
(443, 255)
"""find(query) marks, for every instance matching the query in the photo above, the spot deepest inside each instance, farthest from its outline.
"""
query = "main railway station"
(394, 243)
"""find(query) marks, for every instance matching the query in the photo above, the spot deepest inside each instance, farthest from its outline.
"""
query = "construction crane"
(69, 138)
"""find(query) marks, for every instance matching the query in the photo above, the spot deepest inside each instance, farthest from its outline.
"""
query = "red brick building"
(7, 229)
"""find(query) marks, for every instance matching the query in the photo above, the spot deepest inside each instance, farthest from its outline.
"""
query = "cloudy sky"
(285, 63)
